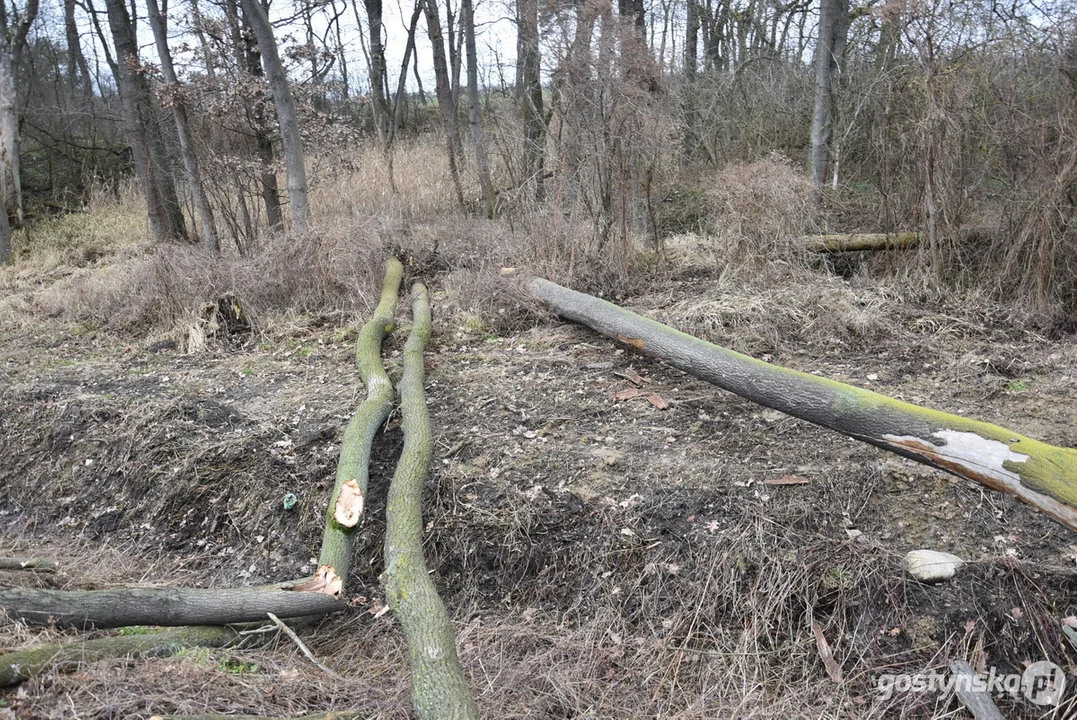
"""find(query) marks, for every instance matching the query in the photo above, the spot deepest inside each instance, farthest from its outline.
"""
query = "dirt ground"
(601, 558)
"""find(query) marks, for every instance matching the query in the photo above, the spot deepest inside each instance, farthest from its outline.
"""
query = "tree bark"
(347, 502)
(378, 69)
(830, 20)
(529, 92)
(158, 25)
(13, 33)
(690, 140)
(291, 140)
(27, 563)
(438, 687)
(162, 606)
(1044, 476)
(21, 665)
(851, 242)
(474, 111)
(446, 98)
(165, 214)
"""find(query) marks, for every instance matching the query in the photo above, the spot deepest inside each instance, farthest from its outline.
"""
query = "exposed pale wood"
(28, 563)
(1042, 475)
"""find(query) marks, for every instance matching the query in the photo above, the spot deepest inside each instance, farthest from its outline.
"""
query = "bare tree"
(529, 91)
(154, 176)
(291, 141)
(14, 29)
(832, 22)
(478, 136)
(446, 96)
(175, 95)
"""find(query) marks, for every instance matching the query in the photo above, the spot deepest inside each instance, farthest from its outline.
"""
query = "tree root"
(348, 500)
(438, 687)
(1044, 476)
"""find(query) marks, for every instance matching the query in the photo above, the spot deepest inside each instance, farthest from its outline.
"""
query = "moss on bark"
(439, 689)
(353, 468)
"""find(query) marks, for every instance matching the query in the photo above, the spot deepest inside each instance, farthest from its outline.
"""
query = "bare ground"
(602, 558)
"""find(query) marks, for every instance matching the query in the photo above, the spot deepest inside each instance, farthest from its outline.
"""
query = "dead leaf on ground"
(656, 400)
(632, 376)
(787, 480)
(833, 669)
(628, 394)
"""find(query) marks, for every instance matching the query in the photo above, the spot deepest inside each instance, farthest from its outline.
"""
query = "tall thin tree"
(478, 135)
(159, 26)
(287, 118)
(14, 29)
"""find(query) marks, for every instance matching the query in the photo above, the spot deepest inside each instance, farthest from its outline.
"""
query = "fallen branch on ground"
(348, 500)
(1044, 476)
(438, 687)
(852, 242)
(21, 665)
(161, 606)
(26, 563)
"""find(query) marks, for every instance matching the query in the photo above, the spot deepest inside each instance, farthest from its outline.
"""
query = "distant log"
(348, 500)
(1044, 476)
(438, 687)
(21, 665)
(162, 606)
(28, 563)
(852, 242)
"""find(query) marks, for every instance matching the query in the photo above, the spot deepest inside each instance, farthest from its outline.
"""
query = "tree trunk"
(347, 502)
(137, 101)
(1041, 475)
(438, 687)
(78, 71)
(13, 34)
(378, 69)
(21, 665)
(836, 243)
(291, 140)
(158, 25)
(5, 238)
(249, 60)
(529, 92)
(830, 20)
(474, 111)
(446, 99)
(165, 606)
(690, 141)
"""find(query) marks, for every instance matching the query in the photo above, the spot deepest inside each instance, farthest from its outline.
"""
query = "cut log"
(21, 665)
(347, 503)
(1042, 475)
(28, 563)
(438, 687)
(161, 606)
(853, 242)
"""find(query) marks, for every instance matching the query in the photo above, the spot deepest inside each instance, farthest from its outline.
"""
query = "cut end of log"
(350, 504)
(325, 581)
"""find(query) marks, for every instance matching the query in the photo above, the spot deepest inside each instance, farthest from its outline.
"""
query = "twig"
(299, 643)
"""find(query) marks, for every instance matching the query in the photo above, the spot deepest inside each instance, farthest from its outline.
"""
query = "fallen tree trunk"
(21, 665)
(438, 687)
(162, 606)
(348, 500)
(27, 563)
(851, 242)
(1044, 476)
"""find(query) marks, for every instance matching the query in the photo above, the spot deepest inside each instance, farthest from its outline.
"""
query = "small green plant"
(1017, 385)
(247, 372)
(838, 577)
(235, 666)
(136, 630)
